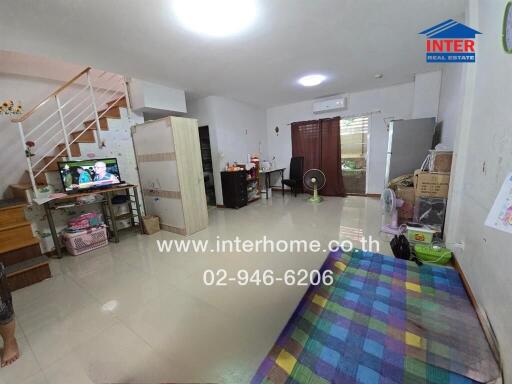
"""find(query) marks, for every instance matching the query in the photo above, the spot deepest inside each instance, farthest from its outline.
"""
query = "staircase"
(52, 131)
(74, 117)
(19, 249)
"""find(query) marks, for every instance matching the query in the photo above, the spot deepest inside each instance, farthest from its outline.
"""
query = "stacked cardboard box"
(425, 193)
(428, 184)
(404, 190)
(440, 161)
(431, 190)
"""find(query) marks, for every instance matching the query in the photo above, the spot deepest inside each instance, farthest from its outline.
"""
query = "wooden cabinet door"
(158, 173)
(190, 173)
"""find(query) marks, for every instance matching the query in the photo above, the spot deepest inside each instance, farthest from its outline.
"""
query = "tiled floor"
(127, 313)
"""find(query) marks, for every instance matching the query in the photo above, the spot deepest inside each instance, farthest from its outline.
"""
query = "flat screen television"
(82, 175)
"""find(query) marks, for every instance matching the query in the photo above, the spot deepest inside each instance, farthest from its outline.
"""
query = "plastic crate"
(85, 241)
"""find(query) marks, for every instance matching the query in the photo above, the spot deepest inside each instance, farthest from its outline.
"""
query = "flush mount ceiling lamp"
(215, 18)
(312, 80)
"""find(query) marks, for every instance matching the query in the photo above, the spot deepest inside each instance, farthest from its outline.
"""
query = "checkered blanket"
(383, 320)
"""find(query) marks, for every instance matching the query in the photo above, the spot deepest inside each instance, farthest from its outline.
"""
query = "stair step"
(11, 235)
(73, 148)
(26, 252)
(13, 246)
(20, 191)
(103, 124)
(113, 113)
(11, 203)
(28, 272)
(121, 103)
(86, 137)
(40, 179)
(12, 213)
(51, 162)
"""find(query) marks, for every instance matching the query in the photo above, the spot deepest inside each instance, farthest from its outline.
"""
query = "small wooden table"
(267, 173)
(106, 207)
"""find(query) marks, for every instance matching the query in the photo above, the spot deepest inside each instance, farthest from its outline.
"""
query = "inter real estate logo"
(450, 42)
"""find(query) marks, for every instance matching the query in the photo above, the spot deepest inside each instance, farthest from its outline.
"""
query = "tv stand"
(107, 209)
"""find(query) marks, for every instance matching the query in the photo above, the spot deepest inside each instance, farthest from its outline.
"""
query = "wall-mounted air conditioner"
(330, 105)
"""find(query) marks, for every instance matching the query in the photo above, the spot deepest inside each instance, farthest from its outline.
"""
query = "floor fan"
(314, 180)
(390, 205)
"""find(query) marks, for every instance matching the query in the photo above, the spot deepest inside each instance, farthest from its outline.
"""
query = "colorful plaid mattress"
(383, 320)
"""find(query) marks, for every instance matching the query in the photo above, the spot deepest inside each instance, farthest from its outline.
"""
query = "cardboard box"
(431, 184)
(441, 161)
(406, 211)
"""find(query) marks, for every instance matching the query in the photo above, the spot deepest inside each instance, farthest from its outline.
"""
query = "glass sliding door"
(354, 149)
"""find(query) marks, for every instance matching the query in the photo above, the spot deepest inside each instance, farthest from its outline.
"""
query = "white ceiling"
(348, 40)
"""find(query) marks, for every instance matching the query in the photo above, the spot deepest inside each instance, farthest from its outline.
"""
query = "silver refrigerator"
(408, 145)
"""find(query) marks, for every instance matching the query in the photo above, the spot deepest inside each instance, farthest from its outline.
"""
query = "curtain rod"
(354, 115)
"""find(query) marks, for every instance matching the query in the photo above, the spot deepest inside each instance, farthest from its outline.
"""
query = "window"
(354, 137)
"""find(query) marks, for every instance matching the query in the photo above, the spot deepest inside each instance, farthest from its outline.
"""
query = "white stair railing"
(87, 97)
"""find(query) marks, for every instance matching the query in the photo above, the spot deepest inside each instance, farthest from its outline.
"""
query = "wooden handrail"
(56, 92)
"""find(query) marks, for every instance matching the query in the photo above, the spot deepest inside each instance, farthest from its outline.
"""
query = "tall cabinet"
(171, 173)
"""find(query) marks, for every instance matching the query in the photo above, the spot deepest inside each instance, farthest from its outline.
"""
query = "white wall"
(29, 91)
(426, 94)
(236, 130)
(483, 159)
(450, 102)
(392, 102)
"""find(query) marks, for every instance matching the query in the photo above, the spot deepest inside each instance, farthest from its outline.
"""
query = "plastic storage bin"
(420, 234)
(429, 254)
(430, 211)
(85, 241)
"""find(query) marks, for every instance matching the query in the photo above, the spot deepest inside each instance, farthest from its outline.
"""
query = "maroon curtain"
(318, 141)
(331, 157)
(306, 142)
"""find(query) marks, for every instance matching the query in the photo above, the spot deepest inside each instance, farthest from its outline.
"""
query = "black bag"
(400, 247)
(402, 250)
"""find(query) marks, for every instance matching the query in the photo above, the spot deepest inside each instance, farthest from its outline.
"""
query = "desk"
(267, 175)
(106, 208)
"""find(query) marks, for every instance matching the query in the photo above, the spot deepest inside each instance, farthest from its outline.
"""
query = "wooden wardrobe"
(171, 173)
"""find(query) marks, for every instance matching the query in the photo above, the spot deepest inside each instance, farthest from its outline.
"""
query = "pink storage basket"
(85, 241)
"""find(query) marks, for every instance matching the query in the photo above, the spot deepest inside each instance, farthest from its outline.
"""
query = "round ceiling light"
(312, 80)
(219, 18)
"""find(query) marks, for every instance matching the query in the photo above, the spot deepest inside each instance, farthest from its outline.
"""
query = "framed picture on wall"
(507, 28)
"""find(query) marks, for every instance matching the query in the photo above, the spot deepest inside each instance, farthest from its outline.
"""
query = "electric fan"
(390, 205)
(314, 180)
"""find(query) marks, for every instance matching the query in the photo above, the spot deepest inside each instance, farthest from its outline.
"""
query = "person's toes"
(11, 360)
(10, 355)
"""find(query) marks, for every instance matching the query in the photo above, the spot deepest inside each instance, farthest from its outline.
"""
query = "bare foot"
(10, 353)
